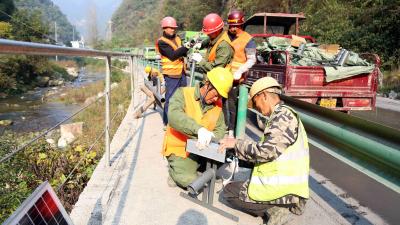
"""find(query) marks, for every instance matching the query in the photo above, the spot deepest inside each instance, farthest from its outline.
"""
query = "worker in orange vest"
(195, 112)
(243, 59)
(219, 51)
(169, 46)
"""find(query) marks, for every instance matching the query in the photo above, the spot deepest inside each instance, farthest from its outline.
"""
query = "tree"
(7, 8)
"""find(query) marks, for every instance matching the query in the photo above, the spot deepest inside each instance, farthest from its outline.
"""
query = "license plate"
(328, 102)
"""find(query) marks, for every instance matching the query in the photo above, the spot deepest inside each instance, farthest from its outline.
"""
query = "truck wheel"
(261, 122)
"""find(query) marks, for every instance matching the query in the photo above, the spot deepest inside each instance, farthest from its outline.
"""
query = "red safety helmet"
(168, 22)
(212, 23)
(236, 17)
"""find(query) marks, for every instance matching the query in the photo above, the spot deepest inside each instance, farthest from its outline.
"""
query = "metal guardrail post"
(131, 61)
(192, 76)
(107, 110)
(242, 112)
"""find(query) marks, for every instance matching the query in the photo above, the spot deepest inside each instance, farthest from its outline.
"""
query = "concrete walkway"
(134, 190)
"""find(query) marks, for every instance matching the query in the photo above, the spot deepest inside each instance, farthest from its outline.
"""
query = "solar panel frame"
(31, 211)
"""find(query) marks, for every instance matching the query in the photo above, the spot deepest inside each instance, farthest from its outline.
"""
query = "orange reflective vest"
(239, 44)
(169, 67)
(175, 141)
(213, 52)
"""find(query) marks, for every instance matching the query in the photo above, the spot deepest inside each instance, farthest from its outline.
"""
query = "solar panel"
(42, 207)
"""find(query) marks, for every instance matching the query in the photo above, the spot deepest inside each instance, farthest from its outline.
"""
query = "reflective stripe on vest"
(171, 67)
(288, 174)
(212, 55)
(239, 44)
(175, 141)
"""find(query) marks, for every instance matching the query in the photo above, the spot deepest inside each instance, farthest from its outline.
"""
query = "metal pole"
(132, 75)
(55, 36)
(107, 96)
(242, 112)
(192, 68)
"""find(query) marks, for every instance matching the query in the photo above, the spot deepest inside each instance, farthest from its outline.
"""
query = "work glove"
(237, 74)
(197, 57)
(204, 137)
(197, 46)
(188, 45)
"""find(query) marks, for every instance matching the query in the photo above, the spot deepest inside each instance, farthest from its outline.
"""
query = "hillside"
(51, 13)
(362, 26)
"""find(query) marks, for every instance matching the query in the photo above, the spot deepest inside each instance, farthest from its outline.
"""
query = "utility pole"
(55, 36)
(109, 31)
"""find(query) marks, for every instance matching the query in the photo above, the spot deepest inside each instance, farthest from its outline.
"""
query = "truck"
(150, 54)
(308, 83)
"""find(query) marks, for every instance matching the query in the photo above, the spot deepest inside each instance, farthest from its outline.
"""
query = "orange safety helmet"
(212, 23)
(168, 22)
(235, 18)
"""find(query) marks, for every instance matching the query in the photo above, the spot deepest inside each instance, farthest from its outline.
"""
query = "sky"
(76, 11)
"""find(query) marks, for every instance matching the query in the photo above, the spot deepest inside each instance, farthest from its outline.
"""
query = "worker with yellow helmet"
(194, 112)
(279, 180)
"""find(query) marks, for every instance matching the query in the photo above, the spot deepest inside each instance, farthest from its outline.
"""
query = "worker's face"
(212, 96)
(214, 35)
(170, 30)
(262, 103)
(234, 29)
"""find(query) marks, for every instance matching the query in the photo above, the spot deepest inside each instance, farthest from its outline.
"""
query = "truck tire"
(261, 122)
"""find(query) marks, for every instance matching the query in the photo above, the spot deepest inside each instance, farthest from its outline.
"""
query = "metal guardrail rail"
(30, 48)
(371, 148)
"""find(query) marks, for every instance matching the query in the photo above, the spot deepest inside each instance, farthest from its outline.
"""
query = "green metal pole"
(242, 112)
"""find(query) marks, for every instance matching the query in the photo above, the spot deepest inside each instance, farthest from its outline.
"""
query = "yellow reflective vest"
(174, 140)
(239, 44)
(288, 174)
(173, 68)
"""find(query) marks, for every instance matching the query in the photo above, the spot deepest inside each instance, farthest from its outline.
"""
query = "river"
(32, 112)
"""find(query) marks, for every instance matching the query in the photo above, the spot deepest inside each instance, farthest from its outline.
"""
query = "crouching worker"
(194, 112)
(279, 180)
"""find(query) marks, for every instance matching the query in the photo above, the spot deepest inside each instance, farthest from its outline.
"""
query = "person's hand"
(225, 143)
(237, 75)
(204, 137)
(197, 46)
(188, 45)
(197, 57)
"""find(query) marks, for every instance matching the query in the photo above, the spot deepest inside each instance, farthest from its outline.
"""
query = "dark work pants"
(171, 84)
(231, 194)
(231, 107)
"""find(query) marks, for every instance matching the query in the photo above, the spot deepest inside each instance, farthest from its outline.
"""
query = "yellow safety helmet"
(147, 69)
(221, 79)
(259, 86)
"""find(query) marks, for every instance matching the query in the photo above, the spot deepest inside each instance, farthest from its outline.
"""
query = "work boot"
(276, 216)
(298, 208)
(171, 182)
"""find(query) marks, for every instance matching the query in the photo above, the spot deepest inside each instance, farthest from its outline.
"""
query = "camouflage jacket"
(279, 135)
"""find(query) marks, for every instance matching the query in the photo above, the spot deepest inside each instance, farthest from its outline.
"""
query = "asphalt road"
(369, 193)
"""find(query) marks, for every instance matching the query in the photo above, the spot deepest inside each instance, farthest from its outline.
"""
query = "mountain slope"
(51, 13)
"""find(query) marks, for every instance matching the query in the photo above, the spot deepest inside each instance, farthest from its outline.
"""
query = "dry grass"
(79, 95)
(67, 63)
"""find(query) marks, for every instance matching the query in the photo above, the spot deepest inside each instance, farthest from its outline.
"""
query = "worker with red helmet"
(219, 51)
(169, 46)
(244, 58)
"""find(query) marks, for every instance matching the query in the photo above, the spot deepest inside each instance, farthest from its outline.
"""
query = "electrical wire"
(26, 25)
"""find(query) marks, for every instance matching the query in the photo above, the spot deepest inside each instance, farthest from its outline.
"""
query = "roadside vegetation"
(44, 161)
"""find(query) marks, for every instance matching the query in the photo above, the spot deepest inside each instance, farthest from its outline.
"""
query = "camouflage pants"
(231, 194)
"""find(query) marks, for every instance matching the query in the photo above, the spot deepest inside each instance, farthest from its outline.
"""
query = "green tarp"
(314, 56)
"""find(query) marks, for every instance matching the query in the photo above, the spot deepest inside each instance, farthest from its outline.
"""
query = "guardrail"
(29, 48)
(370, 148)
